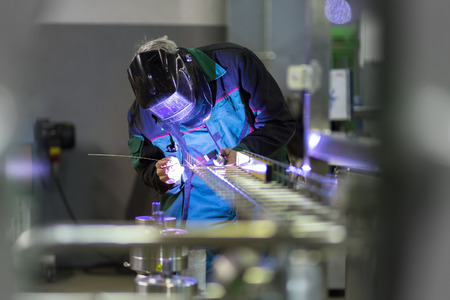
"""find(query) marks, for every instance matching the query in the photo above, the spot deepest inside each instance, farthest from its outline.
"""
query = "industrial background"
(65, 61)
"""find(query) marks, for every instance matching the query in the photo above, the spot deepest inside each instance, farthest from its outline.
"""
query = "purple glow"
(19, 169)
(338, 11)
(295, 170)
(143, 218)
(302, 171)
(171, 106)
(313, 140)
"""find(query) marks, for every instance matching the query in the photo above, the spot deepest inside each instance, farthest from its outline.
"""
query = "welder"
(218, 98)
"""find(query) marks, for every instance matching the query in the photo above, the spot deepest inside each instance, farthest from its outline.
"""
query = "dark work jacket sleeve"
(274, 123)
(148, 173)
(140, 146)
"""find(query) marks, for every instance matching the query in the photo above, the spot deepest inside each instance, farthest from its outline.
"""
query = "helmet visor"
(176, 106)
(171, 86)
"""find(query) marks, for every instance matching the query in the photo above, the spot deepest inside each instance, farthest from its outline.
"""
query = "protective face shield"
(171, 86)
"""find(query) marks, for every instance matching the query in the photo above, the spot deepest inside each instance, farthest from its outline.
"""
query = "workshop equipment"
(156, 265)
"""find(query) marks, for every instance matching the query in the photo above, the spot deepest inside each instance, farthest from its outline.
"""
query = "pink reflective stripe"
(254, 109)
(193, 129)
(227, 94)
(258, 111)
(159, 137)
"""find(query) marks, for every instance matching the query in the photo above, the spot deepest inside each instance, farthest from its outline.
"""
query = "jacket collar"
(210, 68)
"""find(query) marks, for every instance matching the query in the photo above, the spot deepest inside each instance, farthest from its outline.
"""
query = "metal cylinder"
(185, 287)
(153, 259)
(170, 222)
(156, 206)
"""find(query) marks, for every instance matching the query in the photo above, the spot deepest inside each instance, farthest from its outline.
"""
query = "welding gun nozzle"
(219, 161)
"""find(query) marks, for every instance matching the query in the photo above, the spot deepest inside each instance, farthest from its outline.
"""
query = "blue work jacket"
(249, 113)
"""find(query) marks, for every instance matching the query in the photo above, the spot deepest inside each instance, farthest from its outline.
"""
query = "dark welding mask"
(171, 86)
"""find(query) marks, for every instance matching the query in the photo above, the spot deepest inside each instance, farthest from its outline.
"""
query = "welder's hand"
(229, 155)
(169, 169)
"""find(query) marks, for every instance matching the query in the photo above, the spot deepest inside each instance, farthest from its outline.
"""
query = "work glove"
(169, 170)
(229, 155)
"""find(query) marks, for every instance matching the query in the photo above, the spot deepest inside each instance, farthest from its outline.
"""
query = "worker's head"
(167, 81)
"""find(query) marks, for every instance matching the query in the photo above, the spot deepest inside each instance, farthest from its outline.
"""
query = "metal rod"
(127, 156)
(120, 155)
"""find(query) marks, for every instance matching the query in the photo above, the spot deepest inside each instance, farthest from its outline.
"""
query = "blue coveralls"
(249, 113)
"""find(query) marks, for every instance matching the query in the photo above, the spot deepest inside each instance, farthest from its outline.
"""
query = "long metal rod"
(126, 156)
(120, 155)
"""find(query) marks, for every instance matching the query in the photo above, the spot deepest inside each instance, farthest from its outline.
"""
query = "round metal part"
(185, 286)
(150, 220)
(152, 259)
(158, 258)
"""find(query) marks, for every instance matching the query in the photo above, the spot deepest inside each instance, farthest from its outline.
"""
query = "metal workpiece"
(269, 186)
(151, 259)
(156, 265)
(184, 287)
(150, 220)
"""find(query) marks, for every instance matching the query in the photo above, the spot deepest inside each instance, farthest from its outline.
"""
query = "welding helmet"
(171, 86)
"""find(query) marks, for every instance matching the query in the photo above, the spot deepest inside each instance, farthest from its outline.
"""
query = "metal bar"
(305, 232)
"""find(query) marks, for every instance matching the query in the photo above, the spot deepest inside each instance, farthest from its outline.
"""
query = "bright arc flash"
(258, 168)
(306, 168)
(313, 140)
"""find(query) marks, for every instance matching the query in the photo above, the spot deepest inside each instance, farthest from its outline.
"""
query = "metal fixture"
(156, 265)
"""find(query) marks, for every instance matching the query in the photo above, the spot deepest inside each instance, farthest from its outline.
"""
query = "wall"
(277, 27)
(133, 12)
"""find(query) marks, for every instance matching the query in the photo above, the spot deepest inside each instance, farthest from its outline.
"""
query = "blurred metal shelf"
(308, 232)
(344, 150)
